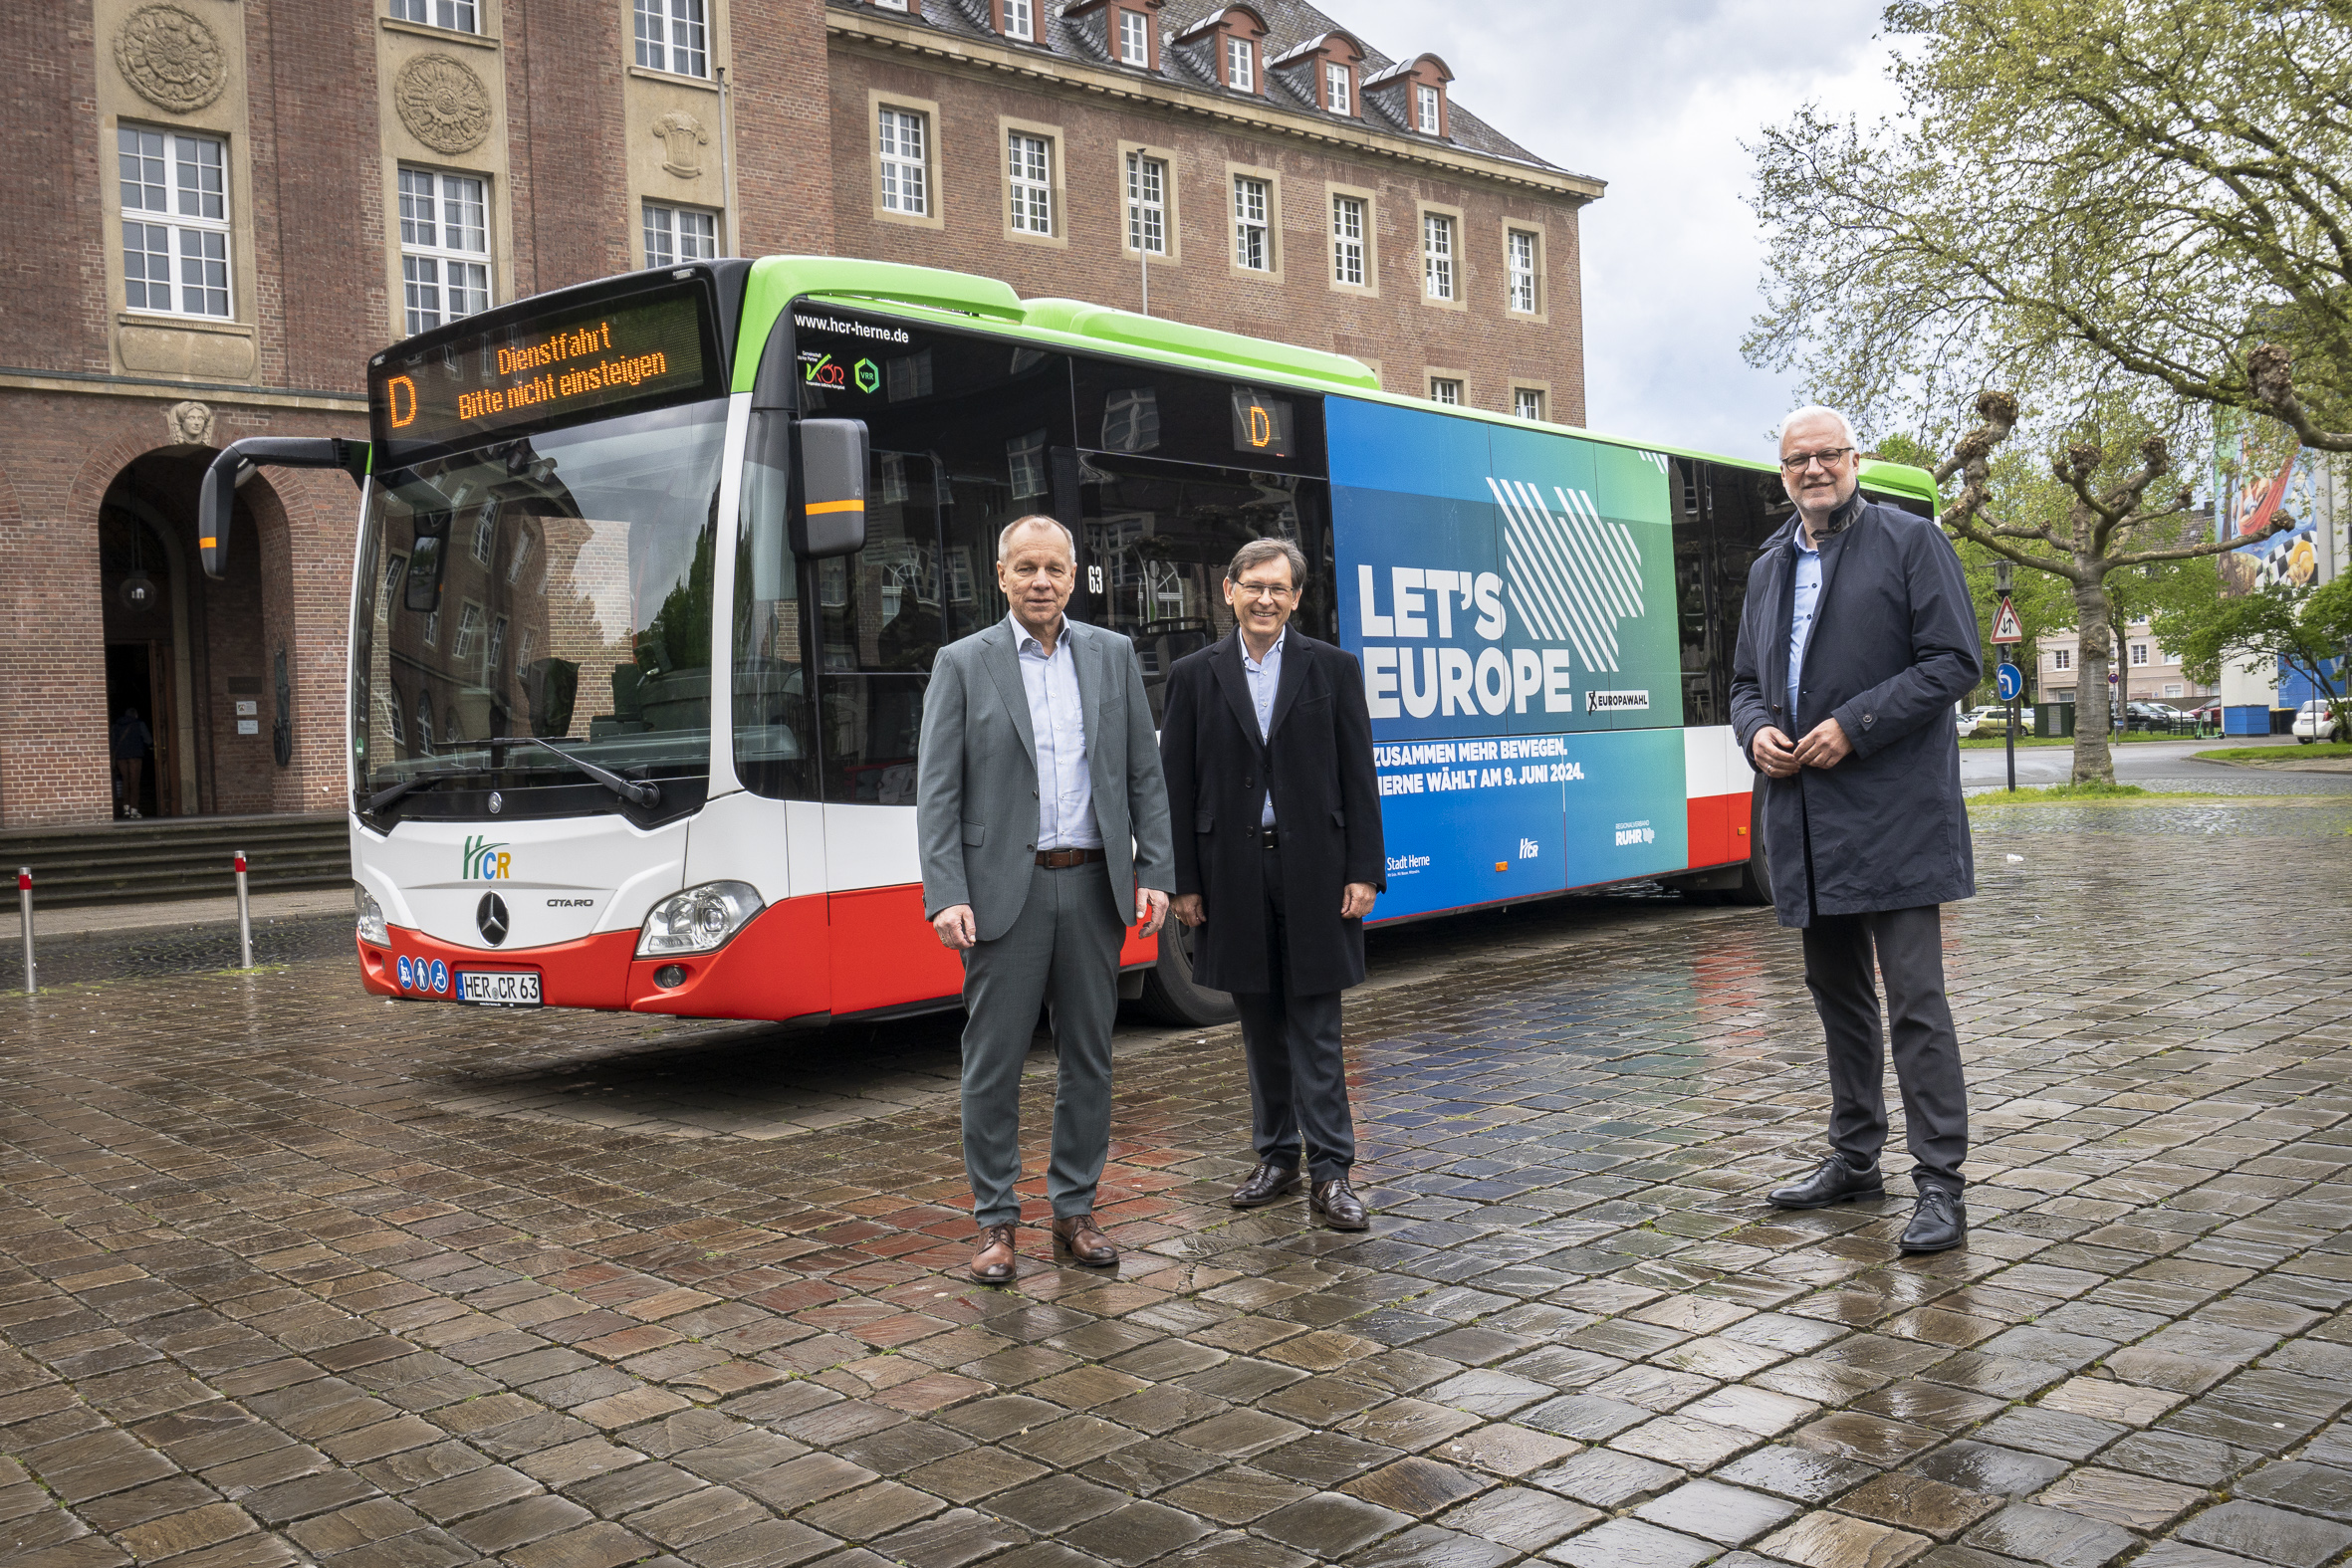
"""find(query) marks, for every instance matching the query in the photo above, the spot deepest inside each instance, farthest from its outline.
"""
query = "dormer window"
(1240, 65)
(1425, 110)
(1338, 88)
(1021, 20)
(1135, 38)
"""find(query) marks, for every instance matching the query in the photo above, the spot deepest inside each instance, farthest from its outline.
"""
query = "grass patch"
(2085, 794)
(2276, 753)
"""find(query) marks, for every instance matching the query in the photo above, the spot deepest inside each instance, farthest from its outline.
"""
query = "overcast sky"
(1655, 98)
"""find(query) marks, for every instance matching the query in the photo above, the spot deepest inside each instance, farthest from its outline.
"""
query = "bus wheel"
(1755, 885)
(1170, 995)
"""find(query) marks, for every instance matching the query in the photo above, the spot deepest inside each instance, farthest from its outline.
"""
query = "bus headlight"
(699, 919)
(371, 922)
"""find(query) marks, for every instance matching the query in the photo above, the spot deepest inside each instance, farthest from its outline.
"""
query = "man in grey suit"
(1043, 818)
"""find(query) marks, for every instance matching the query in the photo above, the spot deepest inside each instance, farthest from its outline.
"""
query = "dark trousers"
(1909, 943)
(1298, 1079)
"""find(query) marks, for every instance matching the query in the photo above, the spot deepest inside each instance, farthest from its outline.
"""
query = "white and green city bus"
(650, 573)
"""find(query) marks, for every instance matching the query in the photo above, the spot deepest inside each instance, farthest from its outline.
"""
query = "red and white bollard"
(244, 917)
(24, 919)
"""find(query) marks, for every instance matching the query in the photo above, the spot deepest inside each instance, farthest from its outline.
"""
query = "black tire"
(1756, 884)
(1170, 995)
(2306, 739)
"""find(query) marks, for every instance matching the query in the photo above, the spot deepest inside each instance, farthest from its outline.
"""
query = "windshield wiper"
(408, 787)
(630, 790)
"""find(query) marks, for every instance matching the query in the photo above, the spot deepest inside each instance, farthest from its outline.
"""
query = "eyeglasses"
(1261, 590)
(1828, 457)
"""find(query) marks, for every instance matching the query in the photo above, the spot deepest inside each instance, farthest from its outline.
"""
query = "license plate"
(492, 989)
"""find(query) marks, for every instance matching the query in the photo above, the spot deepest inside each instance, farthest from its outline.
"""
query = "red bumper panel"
(1718, 830)
(774, 969)
(588, 973)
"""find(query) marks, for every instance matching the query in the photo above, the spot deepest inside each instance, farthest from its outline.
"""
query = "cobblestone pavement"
(291, 1274)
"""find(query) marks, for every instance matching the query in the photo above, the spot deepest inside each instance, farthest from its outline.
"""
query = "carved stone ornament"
(681, 136)
(191, 422)
(171, 58)
(442, 103)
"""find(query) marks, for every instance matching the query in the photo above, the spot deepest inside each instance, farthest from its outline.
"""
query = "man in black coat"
(1856, 638)
(1266, 745)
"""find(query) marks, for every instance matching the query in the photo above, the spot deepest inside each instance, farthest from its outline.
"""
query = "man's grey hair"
(1037, 520)
(1822, 411)
(1259, 552)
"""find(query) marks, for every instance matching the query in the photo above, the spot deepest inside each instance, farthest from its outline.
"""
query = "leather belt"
(1063, 859)
(1270, 838)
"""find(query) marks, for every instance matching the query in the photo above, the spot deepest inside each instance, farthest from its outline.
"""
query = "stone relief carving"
(681, 136)
(191, 422)
(171, 58)
(442, 103)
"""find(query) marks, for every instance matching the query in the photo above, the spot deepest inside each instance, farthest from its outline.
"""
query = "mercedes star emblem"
(497, 803)
(490, 915)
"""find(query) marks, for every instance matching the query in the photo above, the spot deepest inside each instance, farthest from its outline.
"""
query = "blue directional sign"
(2010, 682)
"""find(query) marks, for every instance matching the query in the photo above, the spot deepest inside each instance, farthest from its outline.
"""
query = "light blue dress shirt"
(1801, 619)
(1058, 718)
(1266, 681)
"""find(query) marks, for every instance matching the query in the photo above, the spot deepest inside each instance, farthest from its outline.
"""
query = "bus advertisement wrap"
(1510, 596)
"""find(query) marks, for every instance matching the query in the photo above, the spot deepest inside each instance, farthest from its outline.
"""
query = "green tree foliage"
(2145, 197)
(2310, 629)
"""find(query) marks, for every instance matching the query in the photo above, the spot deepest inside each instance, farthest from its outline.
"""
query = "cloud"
(1655, 98)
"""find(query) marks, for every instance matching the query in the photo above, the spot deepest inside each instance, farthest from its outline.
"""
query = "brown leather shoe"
(1084, 1241)
(995, 1262)
(1272, 1180)
(1336, 1203)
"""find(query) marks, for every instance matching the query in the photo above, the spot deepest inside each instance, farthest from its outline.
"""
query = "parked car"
(1964, 720)
(2315, 721)
(2209, 715)
(1994, 719)
(2152, 715)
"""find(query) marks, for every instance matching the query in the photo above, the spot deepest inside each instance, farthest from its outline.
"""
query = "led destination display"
(646, 347)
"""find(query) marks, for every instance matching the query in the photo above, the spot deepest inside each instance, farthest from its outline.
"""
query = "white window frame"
(1338, 88)
(905, 162)
(673, 36)
(1145, 170)
(1253, 225)
(495, 653)
(1240, 64)
(675, 234)
(1438, 280)
(1134, 43)
(428, 261)
(1021, 20)
(451, 16)
(190, 179)
(2061, 658)
(471, 623)
(2138, 655)
(485, 540)
(1528, 403)
(1427, 116)
(1349, 250)
(1029, 171)
(1523, 266)
(1446, 390)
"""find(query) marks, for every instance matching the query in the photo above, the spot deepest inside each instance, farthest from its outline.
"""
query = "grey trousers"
(1909, 943)
(1063, 947)
(1297, 1077)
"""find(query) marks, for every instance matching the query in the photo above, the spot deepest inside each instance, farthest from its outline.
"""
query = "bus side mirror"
(831, 519)
(217, 498)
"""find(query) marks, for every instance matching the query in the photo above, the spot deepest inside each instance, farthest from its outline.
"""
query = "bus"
(650, 571)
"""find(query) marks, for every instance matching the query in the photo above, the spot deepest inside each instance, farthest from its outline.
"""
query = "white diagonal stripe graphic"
(1581, 575)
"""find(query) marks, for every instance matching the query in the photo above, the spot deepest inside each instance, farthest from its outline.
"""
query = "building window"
(2061, 658)
(2139, 654)
(495, 657)
(485, 531)
(1528, 401)
(1442, 390)
(1147, 204)
(444, 247)
(455, 15)
(175, 222)
(2174, 690)
(1437, 254)
(1347, 240)
(1240, 65)
(679, 234)
(1024, 459)
(1250, 248)
(1031, 164)
(1021, 20)
(672, 37)
(1520, 248)
(1338, 90)
(905, 177)
(1134, 39)
(469, 630)
(1425, 114)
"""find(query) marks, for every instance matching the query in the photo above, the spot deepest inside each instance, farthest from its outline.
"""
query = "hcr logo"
(485, 861)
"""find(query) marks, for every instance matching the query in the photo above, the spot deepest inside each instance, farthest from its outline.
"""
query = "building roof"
(1189, 63)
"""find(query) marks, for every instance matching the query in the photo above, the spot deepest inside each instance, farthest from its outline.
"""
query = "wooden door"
(163, 699)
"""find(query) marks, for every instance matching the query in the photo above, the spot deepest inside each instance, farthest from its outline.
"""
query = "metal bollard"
(23, 918)
(244, 917)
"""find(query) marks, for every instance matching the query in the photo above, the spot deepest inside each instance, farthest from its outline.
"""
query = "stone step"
(178, 857)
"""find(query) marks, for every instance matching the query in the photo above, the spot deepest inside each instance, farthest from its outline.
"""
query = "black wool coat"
(1893, 647)
(1317, 760)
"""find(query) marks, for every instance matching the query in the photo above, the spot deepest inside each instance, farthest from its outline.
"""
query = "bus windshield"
(556, 585)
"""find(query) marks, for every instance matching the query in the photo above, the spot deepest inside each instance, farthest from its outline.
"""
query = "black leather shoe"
(1835, 1183)
(1269, 1182)
(1938, 1225)
(1336, 1203)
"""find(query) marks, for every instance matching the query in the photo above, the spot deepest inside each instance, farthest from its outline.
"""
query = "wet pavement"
(292, 1275)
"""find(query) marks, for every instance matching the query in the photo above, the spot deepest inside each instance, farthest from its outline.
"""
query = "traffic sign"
(2010, 682)
(2005, 623)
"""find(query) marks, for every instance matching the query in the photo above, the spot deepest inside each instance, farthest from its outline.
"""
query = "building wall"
(2161, 679)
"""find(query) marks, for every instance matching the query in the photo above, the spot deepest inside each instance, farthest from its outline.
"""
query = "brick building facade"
(242, 202)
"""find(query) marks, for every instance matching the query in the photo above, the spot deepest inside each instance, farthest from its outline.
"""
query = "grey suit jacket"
(976, 775)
